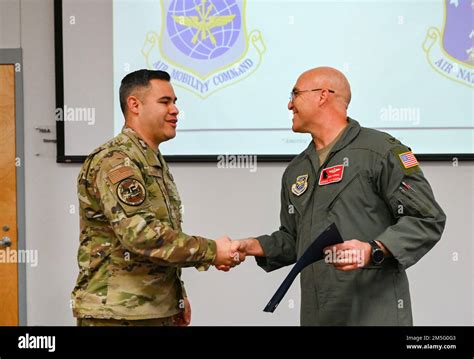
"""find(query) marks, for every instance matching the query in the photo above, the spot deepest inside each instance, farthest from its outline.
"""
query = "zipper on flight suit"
(418, 203)
(321, 167)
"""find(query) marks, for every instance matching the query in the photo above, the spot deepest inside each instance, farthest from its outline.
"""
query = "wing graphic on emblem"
(205, 24)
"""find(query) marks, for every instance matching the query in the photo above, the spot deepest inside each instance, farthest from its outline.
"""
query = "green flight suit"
(131, 243)
(380, 197)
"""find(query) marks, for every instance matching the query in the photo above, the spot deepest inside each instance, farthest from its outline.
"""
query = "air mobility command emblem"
(204, 45)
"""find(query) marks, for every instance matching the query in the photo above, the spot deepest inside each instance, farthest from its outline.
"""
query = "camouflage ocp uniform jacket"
(131, 243)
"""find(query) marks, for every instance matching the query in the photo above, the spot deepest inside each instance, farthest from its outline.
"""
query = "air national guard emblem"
(131, 192)
(204, 44)
(300, 186)
(451, 51)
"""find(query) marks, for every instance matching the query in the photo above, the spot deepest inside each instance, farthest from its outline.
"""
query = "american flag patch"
(408, 159)
(119, 174)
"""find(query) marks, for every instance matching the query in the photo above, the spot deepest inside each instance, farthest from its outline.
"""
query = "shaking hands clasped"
(231, 253)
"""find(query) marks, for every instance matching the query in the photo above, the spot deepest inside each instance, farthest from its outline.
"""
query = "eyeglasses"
(294, 93)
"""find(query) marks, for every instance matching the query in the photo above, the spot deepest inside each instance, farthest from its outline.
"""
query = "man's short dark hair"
(136, 79)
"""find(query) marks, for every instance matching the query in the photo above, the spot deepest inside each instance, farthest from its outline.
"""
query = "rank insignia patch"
(131, 192)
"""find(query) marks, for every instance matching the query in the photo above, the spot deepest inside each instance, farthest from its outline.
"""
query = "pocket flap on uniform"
(153, 171)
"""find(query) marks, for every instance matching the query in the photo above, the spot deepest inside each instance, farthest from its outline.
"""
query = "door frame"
(9, 57)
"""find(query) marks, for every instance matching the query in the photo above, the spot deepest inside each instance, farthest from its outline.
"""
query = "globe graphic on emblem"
(203, 29)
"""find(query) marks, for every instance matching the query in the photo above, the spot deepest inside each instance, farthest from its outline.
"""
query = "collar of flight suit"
(350, 132)
(152, 157)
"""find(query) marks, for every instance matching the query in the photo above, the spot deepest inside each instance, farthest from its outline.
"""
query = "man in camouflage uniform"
(131, 243)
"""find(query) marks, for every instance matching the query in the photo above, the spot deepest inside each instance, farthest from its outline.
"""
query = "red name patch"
(331, 175)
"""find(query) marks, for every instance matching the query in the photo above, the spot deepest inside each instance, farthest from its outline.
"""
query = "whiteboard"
(233, 63)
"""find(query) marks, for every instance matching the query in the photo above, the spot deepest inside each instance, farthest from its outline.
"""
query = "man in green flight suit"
(132, 247)
(372, 187)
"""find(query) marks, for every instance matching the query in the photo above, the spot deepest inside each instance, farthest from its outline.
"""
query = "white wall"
(9, 24)
(217, 201)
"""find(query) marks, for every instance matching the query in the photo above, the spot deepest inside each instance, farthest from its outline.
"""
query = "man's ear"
(133, 104)
(323, 97)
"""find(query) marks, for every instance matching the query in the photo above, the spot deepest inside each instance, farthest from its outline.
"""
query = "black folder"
(329, 237)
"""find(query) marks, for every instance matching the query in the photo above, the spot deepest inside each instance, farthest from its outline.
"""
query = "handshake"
(231, 253)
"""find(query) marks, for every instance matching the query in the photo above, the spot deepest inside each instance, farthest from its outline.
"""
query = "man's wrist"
(209, 254)
(254, 248)
(384, 249)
